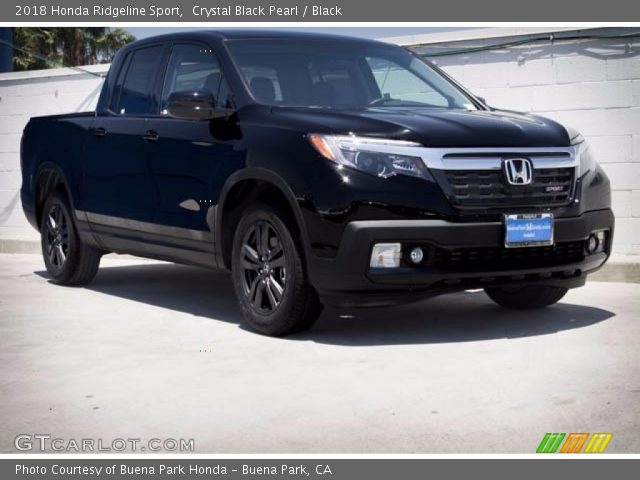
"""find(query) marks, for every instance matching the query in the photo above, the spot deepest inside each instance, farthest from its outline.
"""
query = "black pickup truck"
(318, 169)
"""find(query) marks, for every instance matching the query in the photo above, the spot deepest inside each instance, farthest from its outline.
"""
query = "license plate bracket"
(528, 230)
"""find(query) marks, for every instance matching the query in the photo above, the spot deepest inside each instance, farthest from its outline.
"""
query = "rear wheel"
(529, 297)
(274, 294)
(68, 260)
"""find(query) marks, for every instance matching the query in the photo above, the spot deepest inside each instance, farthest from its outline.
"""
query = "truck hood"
(432, 127)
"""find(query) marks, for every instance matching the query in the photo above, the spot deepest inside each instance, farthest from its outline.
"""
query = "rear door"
(118, 185)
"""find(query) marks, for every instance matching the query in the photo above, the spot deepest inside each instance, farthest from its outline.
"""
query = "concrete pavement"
(154, 350)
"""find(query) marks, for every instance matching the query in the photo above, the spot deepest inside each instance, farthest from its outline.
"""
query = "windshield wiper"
(396, 102)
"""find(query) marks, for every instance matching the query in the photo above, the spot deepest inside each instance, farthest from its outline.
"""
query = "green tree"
(49, 47)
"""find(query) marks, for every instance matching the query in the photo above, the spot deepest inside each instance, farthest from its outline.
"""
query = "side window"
(405, 85)
(192, 67)
(136, 92)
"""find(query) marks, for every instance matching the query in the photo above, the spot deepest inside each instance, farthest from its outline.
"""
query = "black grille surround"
(479, 189)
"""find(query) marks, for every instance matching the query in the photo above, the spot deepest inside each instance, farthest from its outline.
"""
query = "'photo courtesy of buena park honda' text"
(328, 238)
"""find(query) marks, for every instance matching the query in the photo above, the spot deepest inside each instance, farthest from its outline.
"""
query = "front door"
(191, 158)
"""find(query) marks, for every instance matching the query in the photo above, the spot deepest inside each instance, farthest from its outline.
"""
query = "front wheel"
(528, 297)
(269, 279)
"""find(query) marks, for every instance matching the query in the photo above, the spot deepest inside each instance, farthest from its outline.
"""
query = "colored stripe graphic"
(574, 443)
(598, 442)
(550, 443)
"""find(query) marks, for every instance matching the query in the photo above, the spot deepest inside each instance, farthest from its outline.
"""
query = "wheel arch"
(49, 178)
(241, 190)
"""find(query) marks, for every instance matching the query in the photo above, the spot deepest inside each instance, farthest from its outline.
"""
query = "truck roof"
(242, 33)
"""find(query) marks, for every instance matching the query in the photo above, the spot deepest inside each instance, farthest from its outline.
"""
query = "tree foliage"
(49, 47)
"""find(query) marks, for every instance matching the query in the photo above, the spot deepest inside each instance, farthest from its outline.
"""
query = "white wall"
(592, 85)
(27, 94)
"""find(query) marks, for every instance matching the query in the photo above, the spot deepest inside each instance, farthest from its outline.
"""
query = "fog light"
(592, 244)
(601, 235)
(416, 255)
(596, 242)
(385, 255)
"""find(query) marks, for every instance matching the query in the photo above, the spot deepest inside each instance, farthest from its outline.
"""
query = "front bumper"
(347, 279)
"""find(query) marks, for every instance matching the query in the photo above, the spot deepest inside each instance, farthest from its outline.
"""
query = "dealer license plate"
(528, 230)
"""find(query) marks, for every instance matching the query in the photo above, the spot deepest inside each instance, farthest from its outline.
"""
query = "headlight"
(380, 157)
(584, 153)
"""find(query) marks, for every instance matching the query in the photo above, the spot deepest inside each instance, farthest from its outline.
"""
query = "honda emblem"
(518, 171)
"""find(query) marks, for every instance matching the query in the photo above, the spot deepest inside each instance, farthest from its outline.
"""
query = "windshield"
(333, 74)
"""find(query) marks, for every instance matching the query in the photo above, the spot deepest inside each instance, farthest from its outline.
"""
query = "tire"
(68, 260)
(269, 278)
(526, 298)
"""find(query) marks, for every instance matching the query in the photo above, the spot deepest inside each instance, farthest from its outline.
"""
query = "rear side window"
(117, 87)
(192, 68)
(137, 88)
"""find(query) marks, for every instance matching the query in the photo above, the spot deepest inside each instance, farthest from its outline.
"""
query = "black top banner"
(221, 11)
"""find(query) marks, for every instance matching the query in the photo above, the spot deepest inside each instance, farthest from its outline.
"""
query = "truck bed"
(63, 116)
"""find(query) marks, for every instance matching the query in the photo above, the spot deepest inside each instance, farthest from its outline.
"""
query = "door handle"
(151, 136)
(100, 132)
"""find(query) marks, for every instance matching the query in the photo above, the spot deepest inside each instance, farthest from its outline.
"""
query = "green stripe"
(543, 443)
(552, 447)
(550, 442)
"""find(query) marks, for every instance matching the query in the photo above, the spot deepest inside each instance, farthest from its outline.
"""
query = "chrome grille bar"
(491, 158)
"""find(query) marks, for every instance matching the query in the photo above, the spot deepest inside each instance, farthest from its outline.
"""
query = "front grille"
(488, 188)
(494, 259)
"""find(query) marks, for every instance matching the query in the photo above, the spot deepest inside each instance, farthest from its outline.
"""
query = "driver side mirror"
(481, 99)
(195, 105)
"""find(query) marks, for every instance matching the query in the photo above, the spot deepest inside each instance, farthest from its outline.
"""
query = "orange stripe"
(565, 445)
(583, 439)
(574, 442)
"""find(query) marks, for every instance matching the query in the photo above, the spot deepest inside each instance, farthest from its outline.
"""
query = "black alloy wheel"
(56, 237)
(269, 277)
(68, 259)
(264, 274)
